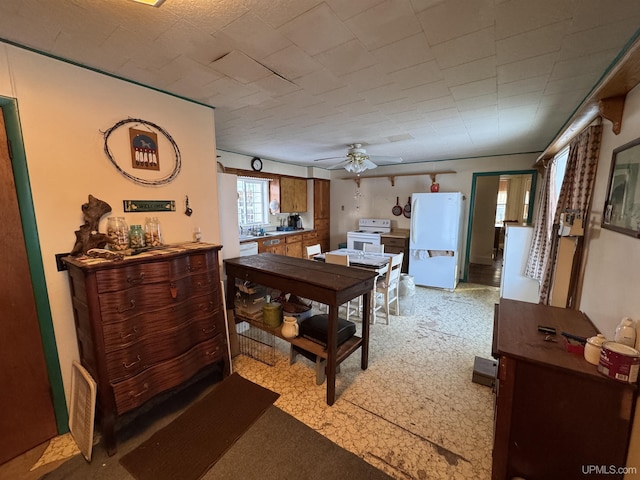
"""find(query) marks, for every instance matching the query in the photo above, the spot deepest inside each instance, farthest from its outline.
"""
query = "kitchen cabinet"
(308, 238)
(321, 212)
(293, 246)
(146, 324)
(555, 415)
(397, 242)
(293, 195)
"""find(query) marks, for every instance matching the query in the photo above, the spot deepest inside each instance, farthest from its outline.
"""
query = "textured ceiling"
(298, 80)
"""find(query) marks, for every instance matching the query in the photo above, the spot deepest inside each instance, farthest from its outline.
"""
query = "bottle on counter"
(152, 233)
(136, 237)
(118, 233)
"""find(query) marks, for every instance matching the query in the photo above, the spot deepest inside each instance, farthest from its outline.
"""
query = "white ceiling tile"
(489, 102)
(317, 30)
(253, 36)
(524, 86)
(277, 13)
(292, 62)
(428, 91)
(404, 53)
(471, 71)
(596, 13)
(571, 84)
(593, 64)
(240, 67)
(532, 43)
(435, 105)
(367, 78)
(345, 10)
(358, 107)
(529, 67)
(386, 23)
(456, 18)
(599, 39)
(346, 58)
(276, 85)
(518, 16)
(319, 82)
(464, 49)
(415, 75)
(474, 89)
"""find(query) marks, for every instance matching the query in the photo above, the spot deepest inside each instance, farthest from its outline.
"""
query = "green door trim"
(32, 242)
(472, 201)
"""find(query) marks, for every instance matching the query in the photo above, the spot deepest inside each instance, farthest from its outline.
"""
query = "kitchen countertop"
(399, 233)
(273, 233)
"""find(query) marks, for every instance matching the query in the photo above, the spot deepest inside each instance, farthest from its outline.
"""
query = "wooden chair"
(342, 260)
(371, 248)
(313, 250)
(388, 287)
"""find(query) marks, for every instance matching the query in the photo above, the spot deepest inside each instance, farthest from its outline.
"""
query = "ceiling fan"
(357, 160)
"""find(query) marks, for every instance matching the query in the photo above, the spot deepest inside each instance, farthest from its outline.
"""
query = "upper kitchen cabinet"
(293, 195)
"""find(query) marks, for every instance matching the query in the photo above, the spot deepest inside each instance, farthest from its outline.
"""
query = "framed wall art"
(144, 149)
(622, 205)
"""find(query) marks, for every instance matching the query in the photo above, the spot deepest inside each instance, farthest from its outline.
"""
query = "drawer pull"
(129, 365)
(174, 290)
(195, 268)
(133, 333)
(132, 305)
(135, 281)
(210, 353)
(209, 330)
(136, 395)
(206, 284)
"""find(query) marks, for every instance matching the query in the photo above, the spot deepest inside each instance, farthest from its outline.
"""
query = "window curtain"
(541, 244)
(575, 194)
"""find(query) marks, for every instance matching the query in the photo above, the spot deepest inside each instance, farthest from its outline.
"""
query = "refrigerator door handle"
(414, 217)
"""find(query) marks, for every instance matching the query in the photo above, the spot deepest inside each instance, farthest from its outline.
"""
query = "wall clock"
(256, 164)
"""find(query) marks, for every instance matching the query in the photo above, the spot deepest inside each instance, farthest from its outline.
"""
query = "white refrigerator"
(435, 241)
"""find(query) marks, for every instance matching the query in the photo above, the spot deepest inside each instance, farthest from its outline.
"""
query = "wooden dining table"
(333, 285)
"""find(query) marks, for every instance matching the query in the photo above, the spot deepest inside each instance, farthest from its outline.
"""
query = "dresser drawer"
(393, 242)
(123, 333)
(193, 263)
(130, 276)
(172, 342)
(124, 304)
(136, 390)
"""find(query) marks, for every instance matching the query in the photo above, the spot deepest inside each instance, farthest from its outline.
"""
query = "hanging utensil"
(407, 209)
(397, 209)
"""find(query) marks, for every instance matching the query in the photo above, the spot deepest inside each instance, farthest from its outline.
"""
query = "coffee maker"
(295, 221)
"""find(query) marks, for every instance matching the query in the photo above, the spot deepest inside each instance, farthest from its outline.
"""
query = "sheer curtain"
(575, 194)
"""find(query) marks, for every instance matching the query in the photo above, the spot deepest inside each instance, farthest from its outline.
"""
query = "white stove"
(369, 231)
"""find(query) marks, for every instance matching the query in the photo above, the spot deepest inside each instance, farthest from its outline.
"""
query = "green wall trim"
(27, 213)
(472, 201)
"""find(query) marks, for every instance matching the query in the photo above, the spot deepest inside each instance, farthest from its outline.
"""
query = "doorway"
(496, 198)
(33, 407)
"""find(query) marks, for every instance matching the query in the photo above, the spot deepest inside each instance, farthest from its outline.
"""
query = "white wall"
(63, 110)
(612, 274)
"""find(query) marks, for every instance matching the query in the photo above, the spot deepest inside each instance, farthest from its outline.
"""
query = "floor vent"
(83, 407)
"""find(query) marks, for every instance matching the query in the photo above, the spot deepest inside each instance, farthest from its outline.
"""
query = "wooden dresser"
(147, 323)
(556, 417)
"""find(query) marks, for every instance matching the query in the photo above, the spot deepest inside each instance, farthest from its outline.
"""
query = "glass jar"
(136, 236)
(118, 233)
(152, 234)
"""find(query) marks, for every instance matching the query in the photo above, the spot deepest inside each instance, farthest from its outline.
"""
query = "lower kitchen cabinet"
(397, 243)
(293, 246)
(556, 417)
(146, 324)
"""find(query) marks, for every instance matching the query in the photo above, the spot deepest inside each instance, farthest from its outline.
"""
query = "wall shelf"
(392, 177)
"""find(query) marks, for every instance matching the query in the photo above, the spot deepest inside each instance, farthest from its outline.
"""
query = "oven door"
(356, 240)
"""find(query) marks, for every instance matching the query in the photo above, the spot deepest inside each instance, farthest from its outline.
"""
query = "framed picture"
(144, 149)
(622, 206)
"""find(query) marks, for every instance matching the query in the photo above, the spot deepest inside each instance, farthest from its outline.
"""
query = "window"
(253, 201)
(501, 204)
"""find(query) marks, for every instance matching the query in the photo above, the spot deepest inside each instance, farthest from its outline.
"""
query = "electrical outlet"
(59, 263)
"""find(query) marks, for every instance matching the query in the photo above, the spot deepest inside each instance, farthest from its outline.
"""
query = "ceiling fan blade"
(329, 158)
(383, 159)
(339, 165)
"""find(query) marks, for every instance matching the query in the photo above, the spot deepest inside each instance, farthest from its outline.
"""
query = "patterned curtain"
(575, 193)
(541, 244)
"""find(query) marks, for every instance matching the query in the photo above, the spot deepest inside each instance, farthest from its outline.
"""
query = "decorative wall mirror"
(622, 206)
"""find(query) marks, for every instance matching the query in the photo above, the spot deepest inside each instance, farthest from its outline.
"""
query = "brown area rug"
(189, 446)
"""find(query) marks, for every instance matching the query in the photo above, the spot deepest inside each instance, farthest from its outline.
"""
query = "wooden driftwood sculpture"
(88, 237)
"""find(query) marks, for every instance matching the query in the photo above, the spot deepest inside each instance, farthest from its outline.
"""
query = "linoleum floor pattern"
(415, 412)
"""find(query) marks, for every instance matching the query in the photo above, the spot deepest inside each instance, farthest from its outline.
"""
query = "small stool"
(320, 363)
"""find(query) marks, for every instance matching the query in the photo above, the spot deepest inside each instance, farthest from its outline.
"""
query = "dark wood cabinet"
(146, 324)
(397, 243)
(556, 417)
